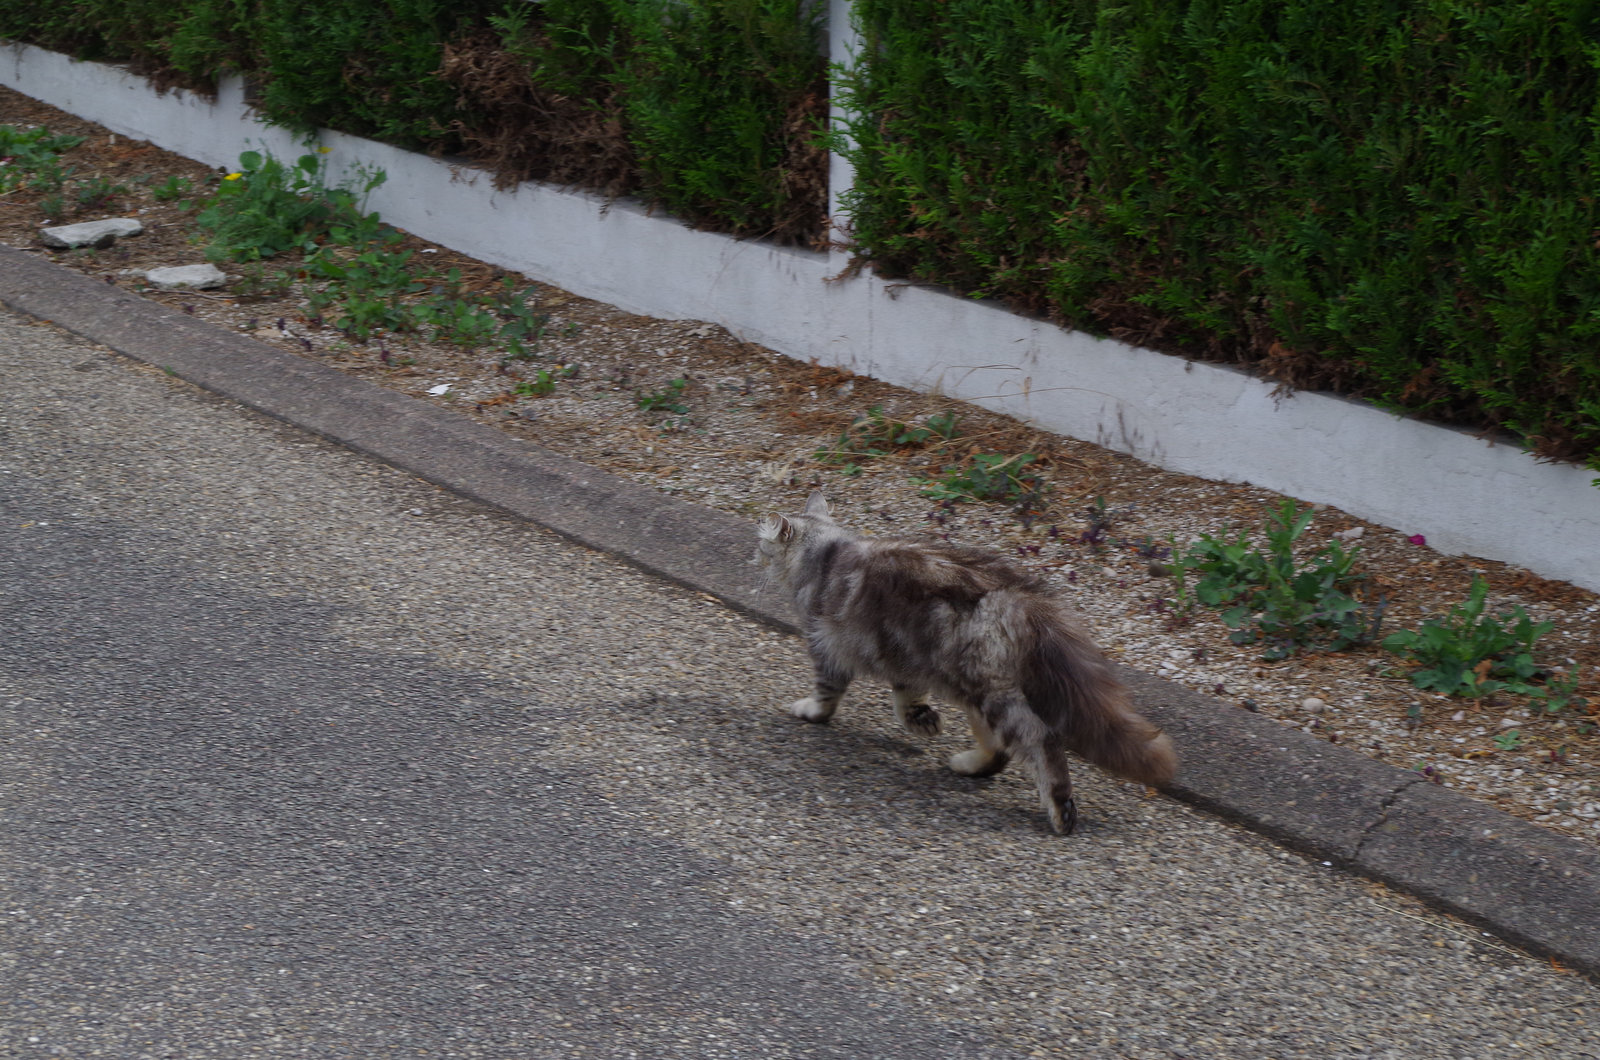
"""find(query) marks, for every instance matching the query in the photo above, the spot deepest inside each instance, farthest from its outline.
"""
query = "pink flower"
(1417, 539)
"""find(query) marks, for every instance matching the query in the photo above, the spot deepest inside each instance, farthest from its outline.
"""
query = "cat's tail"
(1072, 687)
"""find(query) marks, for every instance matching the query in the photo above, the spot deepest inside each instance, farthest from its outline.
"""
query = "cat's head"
(779, 535)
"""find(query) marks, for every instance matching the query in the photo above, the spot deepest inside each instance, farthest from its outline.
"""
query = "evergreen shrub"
(714, 108)
(711, 108)
(1393, 199)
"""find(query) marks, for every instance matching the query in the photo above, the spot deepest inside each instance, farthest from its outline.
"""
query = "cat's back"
(912, 573)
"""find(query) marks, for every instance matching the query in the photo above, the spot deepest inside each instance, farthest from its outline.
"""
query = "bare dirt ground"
(738, 427)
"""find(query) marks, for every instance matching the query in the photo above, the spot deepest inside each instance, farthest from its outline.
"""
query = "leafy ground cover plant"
(542, 382)
(364, 293)
(876, 434)
(31, 158)
(522, 328)
(1098, 520)
(172, 189)
(990, 477)
(268, 207)
(1467, 652)
(669, 399)
(1270, 597)
(356, 278)
(97, 194)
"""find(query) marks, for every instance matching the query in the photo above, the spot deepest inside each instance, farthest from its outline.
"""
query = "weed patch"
(31, 158)
(1270, 598)
(1467, 652)
(990, 477)
(267, 208)
(172, 189)
(668, 399)
(875, 434)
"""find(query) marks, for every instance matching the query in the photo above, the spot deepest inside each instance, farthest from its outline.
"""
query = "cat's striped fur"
(968, 626)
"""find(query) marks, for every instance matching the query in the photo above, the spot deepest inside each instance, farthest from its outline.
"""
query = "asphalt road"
(300, 756)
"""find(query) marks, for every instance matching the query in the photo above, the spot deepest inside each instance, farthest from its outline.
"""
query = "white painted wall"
(1466, 495)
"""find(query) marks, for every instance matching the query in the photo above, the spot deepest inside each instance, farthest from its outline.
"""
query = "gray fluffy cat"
(970, 627)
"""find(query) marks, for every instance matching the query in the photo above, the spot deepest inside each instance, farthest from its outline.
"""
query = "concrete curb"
(1532, 887)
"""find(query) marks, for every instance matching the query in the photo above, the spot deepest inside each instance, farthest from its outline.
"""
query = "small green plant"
(96, 193)
(1270, 598)
(1467, 652)
(363, 293)
(172, 189)
(543, 383)
(523, 327)
(31, 158)
(257, 282)
(1180, 610)
(1509, 740)
(361, 230)
(1098, 521)
(668, 399)
(268, 208)
(460, 323)
(988, 477)
(875, 434)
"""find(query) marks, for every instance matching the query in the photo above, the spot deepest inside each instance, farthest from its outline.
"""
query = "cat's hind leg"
(911, 709)
(1005, 720)
(987, 756)
(831, 682)
(1055, 786)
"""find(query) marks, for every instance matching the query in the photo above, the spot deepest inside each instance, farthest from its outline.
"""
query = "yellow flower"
(324, 150)
(233, 176)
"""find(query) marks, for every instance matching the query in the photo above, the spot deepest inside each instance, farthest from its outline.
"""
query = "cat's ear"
(817, 504)
(776, 528)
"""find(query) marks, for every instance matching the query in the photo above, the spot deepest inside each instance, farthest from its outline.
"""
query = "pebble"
(1313, 704)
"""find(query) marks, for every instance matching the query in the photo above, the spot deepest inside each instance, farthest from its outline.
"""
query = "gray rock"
(89, 233)
(179, 276)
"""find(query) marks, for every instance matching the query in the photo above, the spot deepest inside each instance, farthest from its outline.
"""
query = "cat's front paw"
(920, 718)
(810, 709)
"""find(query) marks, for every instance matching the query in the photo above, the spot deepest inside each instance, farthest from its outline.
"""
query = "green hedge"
(712, 108)
(1394, 200)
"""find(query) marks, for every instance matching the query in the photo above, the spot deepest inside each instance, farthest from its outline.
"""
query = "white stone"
(89, 233)
(200, 277)
(1314, 705)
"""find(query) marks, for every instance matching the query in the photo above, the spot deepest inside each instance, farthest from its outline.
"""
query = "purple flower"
(1417, 539)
